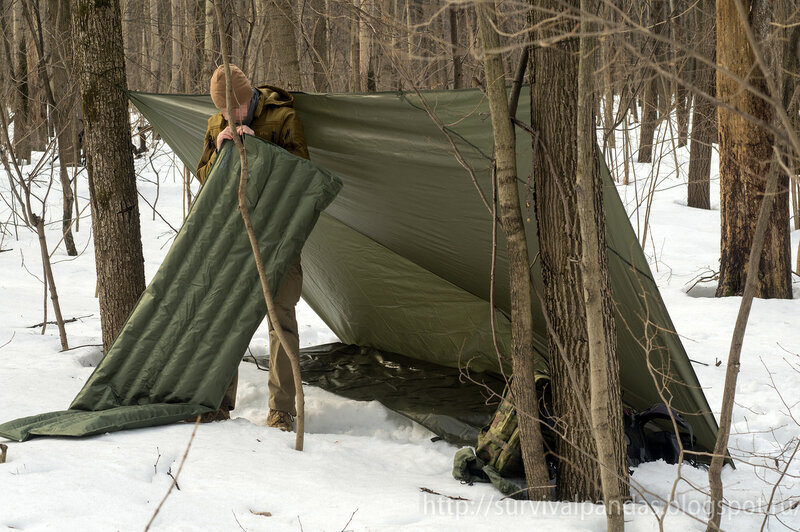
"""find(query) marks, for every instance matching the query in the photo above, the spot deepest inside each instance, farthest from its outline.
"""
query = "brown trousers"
(281, 381)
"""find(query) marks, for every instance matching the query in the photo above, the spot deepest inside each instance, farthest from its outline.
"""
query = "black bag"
(649, 441)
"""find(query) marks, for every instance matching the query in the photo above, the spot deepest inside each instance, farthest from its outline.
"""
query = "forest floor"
(364, 467)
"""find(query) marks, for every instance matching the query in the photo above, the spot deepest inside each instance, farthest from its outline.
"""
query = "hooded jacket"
(274, 120)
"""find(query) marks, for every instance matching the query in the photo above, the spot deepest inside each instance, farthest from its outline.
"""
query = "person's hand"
(226, 134)
(241, 130)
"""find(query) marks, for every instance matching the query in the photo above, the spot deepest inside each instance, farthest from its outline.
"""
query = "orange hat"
(242, 91)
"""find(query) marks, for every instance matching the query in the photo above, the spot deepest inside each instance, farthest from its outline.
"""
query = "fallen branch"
(428, 490)
(84, 345)
(56, 323)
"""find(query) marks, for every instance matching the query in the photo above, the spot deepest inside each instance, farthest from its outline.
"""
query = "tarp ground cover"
(180, 347)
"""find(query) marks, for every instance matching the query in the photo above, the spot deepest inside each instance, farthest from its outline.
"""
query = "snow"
(363, 465)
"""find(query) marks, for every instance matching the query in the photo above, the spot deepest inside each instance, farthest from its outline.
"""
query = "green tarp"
(180, 347)
(400, 261)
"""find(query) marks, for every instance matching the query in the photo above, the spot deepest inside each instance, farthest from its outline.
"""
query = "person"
(265, 112)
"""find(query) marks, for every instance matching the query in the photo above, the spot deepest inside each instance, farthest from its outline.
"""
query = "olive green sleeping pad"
(179, 348)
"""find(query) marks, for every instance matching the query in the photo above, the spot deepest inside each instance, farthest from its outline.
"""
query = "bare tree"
(704, 130)
(555, 71)
(112, 185)
(523, 356)
(605, 403)
(746, 156)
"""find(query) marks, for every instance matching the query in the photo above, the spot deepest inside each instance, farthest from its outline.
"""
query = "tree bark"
(112, 183)
(523, 385)
(355, 54)
(208, 41)
(22, 133)
(455, 53)
(177, 38)
(555, 74)
(156, 46)
(653, 97)
(704, 114)
(189, 46)
(284, 44)
(605, 402)
(319, 40)
(745, 159)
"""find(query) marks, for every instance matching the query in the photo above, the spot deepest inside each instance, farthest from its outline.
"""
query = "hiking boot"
(217, 415)
(280, 420)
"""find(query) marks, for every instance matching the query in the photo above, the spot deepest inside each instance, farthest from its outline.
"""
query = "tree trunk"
(523, 385)
(281, 31)
(649, 118)
(208, 42)
(745, 157)
(177, 39)
(319, 40)
(366, 74)
(605, 403)
(609, 142)
(386, 55)
(654, 98)
(63, 111)
(22, 134)
(189, 46)
(132, 37)
(455, 53)
(112, 184)
(355, 55)
(555, 74)
(703, 122)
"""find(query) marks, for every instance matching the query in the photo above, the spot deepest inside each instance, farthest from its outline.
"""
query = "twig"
(155, 466)
(237, 521)
(152, 206)
(170, 475)
(65, 321)
(255, 360)
(428, 490)
(175, 478)
(349, 520)
(9, 340)
(84, 345)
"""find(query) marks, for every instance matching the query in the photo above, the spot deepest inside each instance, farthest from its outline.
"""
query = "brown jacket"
(274, 120)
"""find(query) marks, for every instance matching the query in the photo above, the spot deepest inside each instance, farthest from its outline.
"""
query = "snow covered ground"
(363, 466)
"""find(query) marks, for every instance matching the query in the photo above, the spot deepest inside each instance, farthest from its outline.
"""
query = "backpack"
(648, 441)
(498, 445)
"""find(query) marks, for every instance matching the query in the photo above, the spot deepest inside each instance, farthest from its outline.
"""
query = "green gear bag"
(498, 446)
